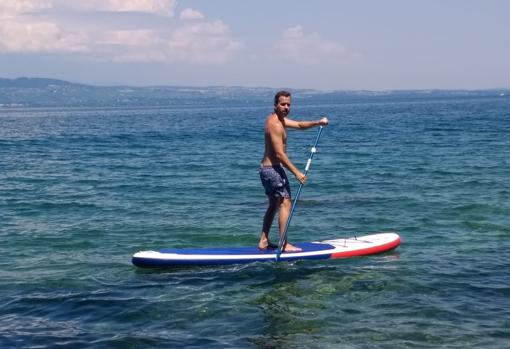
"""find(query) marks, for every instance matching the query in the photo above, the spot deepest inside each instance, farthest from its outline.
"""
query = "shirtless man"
(272, 174)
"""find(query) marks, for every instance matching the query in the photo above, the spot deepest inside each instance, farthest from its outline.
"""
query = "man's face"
(283, 106)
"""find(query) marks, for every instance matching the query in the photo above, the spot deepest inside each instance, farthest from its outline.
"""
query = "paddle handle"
(283, 237)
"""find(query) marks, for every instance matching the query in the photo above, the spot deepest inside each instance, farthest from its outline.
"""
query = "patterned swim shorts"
(275, 181)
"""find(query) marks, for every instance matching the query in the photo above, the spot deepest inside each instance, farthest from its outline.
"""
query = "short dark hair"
(280, 94)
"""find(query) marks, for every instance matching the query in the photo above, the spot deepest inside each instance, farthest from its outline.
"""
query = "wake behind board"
(338, 248)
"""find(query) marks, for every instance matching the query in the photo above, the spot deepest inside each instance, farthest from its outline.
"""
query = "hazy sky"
(322, 44)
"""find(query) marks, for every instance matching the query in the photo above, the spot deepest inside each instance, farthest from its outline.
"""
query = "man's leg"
(283, 216)
(274, 204)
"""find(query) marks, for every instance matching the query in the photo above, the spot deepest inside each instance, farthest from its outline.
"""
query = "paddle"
(283, 237)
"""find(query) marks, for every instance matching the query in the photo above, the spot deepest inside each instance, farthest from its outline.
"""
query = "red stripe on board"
(366, 251)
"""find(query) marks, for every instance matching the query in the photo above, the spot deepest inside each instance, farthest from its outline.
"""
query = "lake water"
(81, 190)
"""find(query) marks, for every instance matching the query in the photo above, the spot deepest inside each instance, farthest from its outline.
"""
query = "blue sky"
(322, 44)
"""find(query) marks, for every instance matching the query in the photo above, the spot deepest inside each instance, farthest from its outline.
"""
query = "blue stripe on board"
(152, 262)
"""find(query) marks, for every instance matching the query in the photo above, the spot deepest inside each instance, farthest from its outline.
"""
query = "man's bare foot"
(291, 248)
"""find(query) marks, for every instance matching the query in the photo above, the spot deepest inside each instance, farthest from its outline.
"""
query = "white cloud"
(19, 32)
(157, 7)
(207, 42)
(190, 14)
(163, 7)
(197, 42)
(12, 7)
(17, 35)
(131, 46)
(311, 49)
(137, 38)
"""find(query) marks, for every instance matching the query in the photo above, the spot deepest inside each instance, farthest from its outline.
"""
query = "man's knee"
(286, 203)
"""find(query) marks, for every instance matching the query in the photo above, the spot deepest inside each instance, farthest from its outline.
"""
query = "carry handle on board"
(283, 237)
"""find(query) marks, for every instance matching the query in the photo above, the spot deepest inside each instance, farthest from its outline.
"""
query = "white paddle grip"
(308, 164)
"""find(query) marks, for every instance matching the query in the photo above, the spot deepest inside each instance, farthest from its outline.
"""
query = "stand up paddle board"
(338, 248)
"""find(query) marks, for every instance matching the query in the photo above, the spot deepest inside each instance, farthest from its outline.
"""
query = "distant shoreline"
(49, 93)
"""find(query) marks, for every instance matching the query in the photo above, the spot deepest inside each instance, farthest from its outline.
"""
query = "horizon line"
(256, 87)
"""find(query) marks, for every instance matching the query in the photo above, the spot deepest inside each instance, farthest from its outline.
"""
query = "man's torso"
(270, 158)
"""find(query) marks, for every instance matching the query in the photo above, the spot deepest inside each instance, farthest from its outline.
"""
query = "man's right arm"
(303, 125)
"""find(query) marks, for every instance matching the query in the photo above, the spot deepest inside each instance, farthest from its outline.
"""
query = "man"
(272, 174)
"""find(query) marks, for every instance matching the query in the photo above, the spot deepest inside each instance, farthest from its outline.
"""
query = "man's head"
(282, 103)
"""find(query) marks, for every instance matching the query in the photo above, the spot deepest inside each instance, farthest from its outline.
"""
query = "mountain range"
(42, 92)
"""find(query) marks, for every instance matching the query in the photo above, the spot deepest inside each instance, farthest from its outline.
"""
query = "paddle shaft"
(283, 237)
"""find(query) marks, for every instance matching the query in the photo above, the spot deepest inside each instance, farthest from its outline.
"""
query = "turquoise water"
(81, 190)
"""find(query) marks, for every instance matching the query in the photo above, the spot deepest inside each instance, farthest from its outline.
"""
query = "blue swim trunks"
(275, 181)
